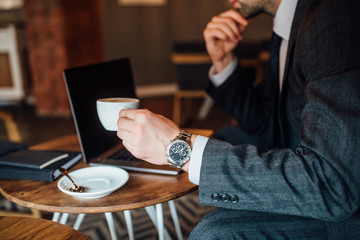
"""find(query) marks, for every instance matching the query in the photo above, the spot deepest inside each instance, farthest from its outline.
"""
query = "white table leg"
(56, 217)
(64, 218)
(111, 225)
(160, 220)
(175, 219)
(129, 225)
(152, 214)
(78, 221)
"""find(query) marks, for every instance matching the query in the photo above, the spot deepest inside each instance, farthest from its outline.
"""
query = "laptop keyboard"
(124, 154)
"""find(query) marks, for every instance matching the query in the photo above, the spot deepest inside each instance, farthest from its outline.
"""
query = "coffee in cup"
(108, 110)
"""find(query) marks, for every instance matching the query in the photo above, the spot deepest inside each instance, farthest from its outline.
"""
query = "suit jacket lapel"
(299, 13)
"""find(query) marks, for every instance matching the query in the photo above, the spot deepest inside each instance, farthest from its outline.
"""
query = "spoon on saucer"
(77, 187)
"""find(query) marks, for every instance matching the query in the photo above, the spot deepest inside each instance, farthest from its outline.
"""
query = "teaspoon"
(77, 187)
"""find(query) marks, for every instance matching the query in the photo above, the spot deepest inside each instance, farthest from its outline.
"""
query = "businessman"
(298, 177)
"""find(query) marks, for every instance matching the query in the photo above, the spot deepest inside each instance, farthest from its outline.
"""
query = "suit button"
(225, 198)
(234, 199)
(215, 197)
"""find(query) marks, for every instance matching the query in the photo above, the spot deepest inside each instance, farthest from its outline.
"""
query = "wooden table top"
(141, 190)
(36, 229)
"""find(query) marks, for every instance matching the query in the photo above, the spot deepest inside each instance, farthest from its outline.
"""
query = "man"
(304, 184)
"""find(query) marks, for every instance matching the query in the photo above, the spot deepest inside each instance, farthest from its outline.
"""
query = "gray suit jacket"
(313, 168)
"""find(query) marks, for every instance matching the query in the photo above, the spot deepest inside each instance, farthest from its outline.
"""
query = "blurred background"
(162, 38)
(40, 38)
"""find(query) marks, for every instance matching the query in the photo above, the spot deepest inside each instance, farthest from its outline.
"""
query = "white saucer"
(100, 181)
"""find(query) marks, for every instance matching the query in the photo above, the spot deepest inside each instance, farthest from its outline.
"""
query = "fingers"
(223, 29)
(133, 122)
(124, 131)
(129, 113)
(236, 16)
(228, 26)
(125, 124)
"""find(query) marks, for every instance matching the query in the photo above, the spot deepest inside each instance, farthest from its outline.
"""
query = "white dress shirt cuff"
(196, 159)
(219, 78)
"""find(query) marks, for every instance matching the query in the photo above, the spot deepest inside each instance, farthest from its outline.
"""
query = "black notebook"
(36, 165)
(32, 158)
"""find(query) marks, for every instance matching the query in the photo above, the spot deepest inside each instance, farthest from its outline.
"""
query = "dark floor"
(35, 129)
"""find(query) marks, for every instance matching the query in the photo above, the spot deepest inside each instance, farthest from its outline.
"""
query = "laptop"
(86, 84)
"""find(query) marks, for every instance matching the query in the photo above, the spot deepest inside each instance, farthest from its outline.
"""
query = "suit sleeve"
(250, 105)
(319, 178)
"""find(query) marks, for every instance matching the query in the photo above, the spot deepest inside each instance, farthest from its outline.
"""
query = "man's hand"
(221, 35)
(146, 134)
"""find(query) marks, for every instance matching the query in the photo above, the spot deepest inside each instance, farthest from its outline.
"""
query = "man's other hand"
(221, 35)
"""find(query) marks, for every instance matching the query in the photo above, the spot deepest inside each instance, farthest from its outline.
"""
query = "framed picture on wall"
(142, 2)
(11, 82)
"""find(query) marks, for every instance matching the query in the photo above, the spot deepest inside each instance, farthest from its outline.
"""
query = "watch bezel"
(175, 163)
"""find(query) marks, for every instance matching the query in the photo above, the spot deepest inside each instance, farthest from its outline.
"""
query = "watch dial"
(179, 151)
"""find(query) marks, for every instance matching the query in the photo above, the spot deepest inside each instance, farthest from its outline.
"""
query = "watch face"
(179, 151)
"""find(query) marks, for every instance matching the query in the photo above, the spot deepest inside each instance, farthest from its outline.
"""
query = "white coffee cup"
(108, 110)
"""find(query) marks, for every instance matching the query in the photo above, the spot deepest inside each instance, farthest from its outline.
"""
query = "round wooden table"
(36, 229)
(141, 190)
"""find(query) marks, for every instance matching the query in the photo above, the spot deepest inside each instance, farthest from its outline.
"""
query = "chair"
(192, 64)
(13, 134)
(11, 127)
(11, 72)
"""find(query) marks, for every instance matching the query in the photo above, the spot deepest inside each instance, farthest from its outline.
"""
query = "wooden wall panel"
(146, 34)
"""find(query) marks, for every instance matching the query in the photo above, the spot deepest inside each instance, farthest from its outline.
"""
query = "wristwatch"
(178, 151)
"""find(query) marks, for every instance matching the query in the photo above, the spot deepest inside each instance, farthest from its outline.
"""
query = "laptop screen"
(85, 85)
